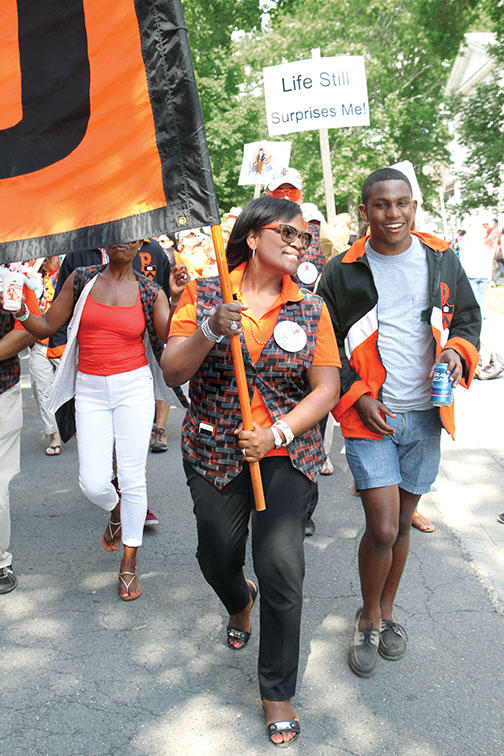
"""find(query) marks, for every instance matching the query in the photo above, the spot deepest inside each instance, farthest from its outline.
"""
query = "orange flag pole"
(239, 367)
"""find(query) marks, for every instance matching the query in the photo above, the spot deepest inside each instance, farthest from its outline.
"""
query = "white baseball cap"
(286, 176)
(311, 212)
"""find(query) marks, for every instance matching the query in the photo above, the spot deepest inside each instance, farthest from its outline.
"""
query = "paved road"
(83, 673)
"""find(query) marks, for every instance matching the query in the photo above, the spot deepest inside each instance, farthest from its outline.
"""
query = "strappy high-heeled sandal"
(234, 633)
(126, 595)
(112, 528)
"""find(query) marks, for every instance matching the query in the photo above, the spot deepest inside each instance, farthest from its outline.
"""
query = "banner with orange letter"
(101, 133)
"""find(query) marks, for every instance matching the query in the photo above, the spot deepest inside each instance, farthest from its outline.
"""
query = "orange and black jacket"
(348, 288)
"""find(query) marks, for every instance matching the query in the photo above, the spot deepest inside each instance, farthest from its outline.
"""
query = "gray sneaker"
(393, 640)
(363, 651)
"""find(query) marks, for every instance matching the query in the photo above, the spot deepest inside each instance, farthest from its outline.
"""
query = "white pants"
(116, 408)
(42, 369)
(11, 421)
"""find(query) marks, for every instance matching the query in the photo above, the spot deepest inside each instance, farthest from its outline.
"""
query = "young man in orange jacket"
(400, 302)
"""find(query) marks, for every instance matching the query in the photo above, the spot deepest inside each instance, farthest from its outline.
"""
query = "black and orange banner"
(101, 133)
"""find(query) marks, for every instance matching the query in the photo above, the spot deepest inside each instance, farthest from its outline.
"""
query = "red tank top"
(110, 338)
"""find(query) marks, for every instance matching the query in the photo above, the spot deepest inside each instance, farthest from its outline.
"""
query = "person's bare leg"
(241, 621)
(279, 711)
(408, 504)
(55, 439)
(381, 507)
(112, 532)
(162, 410)
(113, 528)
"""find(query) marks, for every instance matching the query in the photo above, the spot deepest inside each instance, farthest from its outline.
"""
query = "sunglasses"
(292, 194)
(290, 234)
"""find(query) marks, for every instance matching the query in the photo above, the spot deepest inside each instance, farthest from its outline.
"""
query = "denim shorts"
(409, 458)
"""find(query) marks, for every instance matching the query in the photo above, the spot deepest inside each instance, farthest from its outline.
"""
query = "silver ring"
(234, 326)
(244, 452)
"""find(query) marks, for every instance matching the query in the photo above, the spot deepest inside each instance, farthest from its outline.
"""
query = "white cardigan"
(62, 386)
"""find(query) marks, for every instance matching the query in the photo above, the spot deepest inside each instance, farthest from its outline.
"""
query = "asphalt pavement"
(84, 674)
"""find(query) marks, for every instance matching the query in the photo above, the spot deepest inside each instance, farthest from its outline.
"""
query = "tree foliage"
(480, 118)
(408, 46)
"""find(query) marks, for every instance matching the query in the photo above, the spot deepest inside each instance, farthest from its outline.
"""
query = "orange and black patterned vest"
(313, 254)
(281, 378)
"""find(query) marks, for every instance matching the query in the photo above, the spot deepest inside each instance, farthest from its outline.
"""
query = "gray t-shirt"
(405, 341)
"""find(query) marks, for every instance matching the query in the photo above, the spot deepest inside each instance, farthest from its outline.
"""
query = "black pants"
(277, 547)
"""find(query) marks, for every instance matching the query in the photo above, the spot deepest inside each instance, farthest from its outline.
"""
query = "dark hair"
(173, 239)
(259, 212)
(383, 174)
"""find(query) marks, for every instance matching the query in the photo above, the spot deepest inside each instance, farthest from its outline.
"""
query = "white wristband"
(282, 426)
(208, 333)
(277, 437)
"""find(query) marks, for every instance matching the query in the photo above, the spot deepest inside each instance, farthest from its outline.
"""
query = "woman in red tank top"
(114, 398)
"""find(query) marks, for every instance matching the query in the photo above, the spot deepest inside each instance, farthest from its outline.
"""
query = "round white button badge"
(307, 273)
(290, 336)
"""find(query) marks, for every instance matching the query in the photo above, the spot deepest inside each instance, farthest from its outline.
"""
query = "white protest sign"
(319, 93)
(406, 167)
(262, 160)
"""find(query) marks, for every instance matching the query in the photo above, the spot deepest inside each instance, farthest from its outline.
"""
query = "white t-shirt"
(476, 257)
(405, 340)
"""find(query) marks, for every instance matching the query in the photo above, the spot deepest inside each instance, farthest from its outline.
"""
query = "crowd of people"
(332, 328)
(479, 248)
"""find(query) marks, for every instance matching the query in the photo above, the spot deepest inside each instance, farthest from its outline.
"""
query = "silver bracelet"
(282, 426)
(208, 333)
(24, 317)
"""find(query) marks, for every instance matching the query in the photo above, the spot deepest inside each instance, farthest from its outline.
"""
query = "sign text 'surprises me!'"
(315, 94)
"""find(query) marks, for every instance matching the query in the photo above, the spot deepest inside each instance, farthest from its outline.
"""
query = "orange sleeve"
(31, 302)
(326, 352)
(184, 321)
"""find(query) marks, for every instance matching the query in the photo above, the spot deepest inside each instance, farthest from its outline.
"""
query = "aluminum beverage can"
(442, 387)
